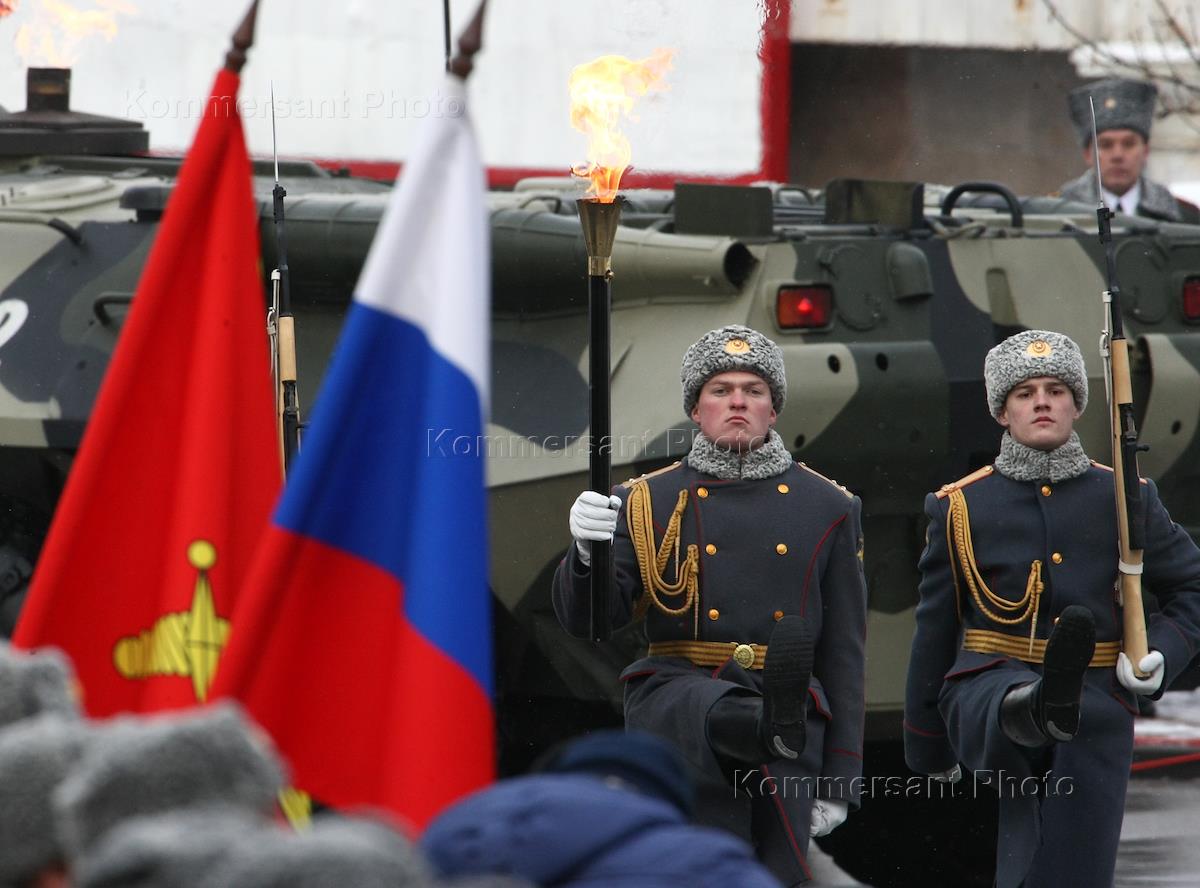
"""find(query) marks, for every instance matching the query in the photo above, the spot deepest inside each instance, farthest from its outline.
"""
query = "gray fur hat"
(176, 850)
(733, 347)
(35, 756)
(141, 766)
(35, 682)
(1029, 354)
(347, 851)
(1120, 104)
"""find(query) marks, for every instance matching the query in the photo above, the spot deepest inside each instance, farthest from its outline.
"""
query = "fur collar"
(767, 461)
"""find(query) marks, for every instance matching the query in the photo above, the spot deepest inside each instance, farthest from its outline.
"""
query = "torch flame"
(602, 91)
(56, 31)
(7, 7)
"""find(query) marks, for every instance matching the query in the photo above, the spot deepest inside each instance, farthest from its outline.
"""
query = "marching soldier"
(1016, 668)
(1124, 114)
(747, 569)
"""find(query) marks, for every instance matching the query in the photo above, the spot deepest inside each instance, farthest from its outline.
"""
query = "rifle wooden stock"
(1135, 644)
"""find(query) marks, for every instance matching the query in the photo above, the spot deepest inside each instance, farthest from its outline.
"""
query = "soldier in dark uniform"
(1124, 113)
(747, 569)
(1019, 628)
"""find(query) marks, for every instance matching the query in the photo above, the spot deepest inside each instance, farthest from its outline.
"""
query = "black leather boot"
(1047, 710)
(750, 730)
(1068, 652)
(734, 732)
(786, 674)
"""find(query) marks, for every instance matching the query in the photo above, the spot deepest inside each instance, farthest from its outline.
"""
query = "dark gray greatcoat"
(790, 544)
(1156, 201)
(1060, 807)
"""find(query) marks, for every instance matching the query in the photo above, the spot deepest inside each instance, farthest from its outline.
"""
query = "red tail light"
(806, 308)
(1191, 299)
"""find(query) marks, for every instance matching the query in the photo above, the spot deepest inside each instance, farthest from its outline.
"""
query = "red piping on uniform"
(787, 828)
(641, 674)
(813, 560)
(988, 665)
(846, 752)
(908, 726)
(817, 700)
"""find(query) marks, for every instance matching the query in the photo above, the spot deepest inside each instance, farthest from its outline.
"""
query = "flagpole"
(284, 358)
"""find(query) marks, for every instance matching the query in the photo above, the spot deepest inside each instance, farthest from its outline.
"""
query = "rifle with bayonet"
(1131, 510)
(281, 326)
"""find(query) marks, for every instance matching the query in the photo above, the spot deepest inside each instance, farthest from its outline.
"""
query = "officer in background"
(1124, 114)
(1016, 668)
(747, 569)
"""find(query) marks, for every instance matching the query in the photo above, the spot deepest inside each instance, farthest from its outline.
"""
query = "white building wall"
(353, 78)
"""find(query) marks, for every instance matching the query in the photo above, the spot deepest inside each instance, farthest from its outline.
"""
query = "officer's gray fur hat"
(1027, 355)
(137, 767)
(35, 756)
(1120, 104)
(179, 850)
(336, 851)
(732, 348)
(32, 683)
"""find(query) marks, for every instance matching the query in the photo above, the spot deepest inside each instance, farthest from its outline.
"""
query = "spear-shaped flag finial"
(469, 42)
(243, 39)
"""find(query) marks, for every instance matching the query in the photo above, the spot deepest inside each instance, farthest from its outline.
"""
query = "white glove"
(593, 517)
(827, 815)
(952, 776)
(1153, 663)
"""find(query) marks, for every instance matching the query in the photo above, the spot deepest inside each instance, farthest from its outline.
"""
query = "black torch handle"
(599, 444)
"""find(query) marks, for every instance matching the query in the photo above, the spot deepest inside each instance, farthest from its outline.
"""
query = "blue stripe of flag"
(394, 474)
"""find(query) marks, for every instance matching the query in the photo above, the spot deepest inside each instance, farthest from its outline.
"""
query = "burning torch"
(602, 91)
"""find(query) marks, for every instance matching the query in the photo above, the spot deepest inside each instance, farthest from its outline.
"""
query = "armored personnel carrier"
(883, 296)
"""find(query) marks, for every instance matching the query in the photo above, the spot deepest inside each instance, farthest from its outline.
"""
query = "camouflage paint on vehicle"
(888, 398)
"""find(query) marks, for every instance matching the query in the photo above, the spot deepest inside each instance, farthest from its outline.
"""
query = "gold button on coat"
(783, 488)
(710, 549)
(778, 615)
(702, 492)
(714, 614)
(1056, 557)
(781, 549)
(1045, 490)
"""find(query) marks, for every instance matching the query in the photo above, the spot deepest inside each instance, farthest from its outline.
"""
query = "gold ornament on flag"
(187, 643)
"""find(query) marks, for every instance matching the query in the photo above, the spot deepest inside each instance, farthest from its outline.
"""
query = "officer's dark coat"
(747, 581)
(1066, 833)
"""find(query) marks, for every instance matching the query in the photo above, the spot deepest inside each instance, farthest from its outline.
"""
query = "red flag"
(179, 466)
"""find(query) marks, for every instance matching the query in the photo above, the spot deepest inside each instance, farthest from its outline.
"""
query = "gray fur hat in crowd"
(1029, 354)
(35, 756)
(35, 682)
(176, 850)
(136, 767)
(733, 347)
(1120, 104)
(337, 850)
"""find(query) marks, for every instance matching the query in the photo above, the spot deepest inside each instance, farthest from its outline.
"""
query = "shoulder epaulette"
(672, 467)
(1100, 465)
(813, 471)
(948, 489)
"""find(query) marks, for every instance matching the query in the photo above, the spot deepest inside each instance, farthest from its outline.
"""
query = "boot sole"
(1069, 650)
(786, 675)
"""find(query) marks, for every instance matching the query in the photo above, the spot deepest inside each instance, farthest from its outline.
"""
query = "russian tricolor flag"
(362, 642)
